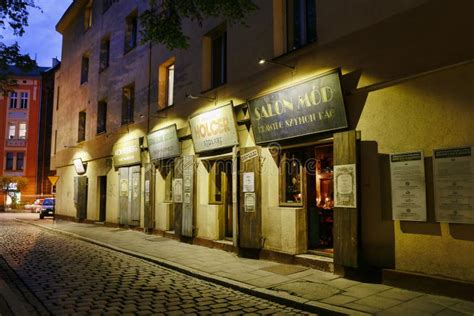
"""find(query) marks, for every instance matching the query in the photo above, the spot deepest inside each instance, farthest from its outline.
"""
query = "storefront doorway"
(102, 185)
(320, 198)
(130, 188)
(220, 192)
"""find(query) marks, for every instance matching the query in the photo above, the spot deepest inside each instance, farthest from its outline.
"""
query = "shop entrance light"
(195, 97)
(263, 61)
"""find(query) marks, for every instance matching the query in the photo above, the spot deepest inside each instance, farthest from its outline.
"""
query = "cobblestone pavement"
(70, 276)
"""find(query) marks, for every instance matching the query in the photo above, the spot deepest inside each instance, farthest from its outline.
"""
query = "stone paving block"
(268, 281)
(465, 307)
(342, 283)
(308, 290)
(339, 299)
(362, 308)
(377, 301)
(450, 312)
(400, 294)
(362, 290)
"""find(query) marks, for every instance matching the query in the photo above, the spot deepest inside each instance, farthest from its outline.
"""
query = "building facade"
(292, 158)
(19, 125)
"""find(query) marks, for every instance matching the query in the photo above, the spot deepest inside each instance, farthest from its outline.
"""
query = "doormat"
(284, 269)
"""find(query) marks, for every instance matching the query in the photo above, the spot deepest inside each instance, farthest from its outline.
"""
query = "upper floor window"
(106, 4)
(300, 23)
(131, 29)
(22, 131)
(166, 84)
(128, 102)
(81, 130)
(20, 160)
(219, 59)
(9, 161)
(101, 117)
(88, 15)
(85, 69)
(24, 100)
(13, 99)
(11, 131)
(104, 53)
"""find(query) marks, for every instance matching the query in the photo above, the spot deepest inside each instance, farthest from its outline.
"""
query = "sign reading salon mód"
(164, 143)
(314, 106)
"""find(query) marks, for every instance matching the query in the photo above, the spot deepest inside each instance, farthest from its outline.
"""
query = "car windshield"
(48, 202)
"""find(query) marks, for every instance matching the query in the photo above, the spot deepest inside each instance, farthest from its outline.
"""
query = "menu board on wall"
(407, 171)
(214, 129)
(453, 176)
(345, 192)
(164, 143)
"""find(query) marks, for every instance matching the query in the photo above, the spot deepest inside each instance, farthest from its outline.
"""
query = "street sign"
(53, 179)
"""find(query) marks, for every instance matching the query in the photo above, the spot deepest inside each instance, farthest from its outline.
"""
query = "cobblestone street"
(69, 276)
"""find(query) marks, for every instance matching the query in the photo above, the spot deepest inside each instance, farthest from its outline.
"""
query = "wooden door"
(346, 220)
(188, 196)
(123, 195)
(135, 191)
(178, 207)
(102, 197)
(149, 213)
(81, 186)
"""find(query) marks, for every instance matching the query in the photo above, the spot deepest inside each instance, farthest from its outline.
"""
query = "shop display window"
(168, 174)
(291, 177)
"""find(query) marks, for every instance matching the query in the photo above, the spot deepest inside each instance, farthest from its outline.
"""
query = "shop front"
(127, 161)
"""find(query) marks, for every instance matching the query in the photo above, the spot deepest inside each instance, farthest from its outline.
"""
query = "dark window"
(20, 161)
(81, 131)
(219, 60)
(57, 100)
(128, 100)
(88, 15)
(85, 69)
(13, 100)
(131, 28)
(106, 4)
(104, 54)
(101, 117)
(9, 162)
(301, 23)
(24, 100)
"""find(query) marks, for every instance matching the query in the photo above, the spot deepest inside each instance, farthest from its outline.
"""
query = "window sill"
(101, 133)
(213, 88)
(164, 108)
(84, 83)
(101, 70)
(128, 50)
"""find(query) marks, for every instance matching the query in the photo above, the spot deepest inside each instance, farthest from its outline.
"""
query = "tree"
(6, 183)
(162, 22)
(14, 16)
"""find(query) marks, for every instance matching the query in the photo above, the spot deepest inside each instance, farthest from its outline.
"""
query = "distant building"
(19, 125)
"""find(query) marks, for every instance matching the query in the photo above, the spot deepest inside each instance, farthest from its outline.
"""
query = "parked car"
(35, 207)
(47, 207)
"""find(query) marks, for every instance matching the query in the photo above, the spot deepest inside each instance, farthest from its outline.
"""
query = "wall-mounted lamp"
(152, 115)
(263, 61)
(195, 97)
(72, 146)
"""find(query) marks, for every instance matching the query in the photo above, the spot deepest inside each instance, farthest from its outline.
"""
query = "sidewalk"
(282, 283)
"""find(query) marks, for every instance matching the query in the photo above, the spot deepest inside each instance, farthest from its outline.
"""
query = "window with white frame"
(24, 100)
(11, 131)
(13, 99)
(22, 131)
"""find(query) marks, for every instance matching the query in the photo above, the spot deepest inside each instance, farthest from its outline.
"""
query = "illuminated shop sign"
(164, 143)
(214, 129)
(314, 106)
(127, 153)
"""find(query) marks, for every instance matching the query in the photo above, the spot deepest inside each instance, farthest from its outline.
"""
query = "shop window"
(128, 103)
(300, 23)
(166, 84)
(88, 15)
(20, 161)
(169, 174)
(24, 100)
(85, 69)
(101, 117)
(291, 177)
(9, 161)
(22, 131)
(13, 99)
(104, 54)
(218, 180)
(11, 131)
(131, 29)
(81, 131)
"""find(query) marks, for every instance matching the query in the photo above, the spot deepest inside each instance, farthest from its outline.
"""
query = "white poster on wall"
(345, 191)
(249, 182)
(453, 177)
(407, 173)
(178, 190)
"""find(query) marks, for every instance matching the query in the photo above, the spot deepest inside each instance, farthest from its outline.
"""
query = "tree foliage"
(5, 181)
(162, 22)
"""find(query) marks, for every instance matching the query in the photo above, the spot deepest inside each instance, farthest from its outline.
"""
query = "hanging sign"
(345, 194)
(453, 177)
(407, 171)
(127, 153)
(164, 143)
(314, 106)
(214, 129)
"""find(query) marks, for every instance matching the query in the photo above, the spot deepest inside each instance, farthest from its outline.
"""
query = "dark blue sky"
(41, 37)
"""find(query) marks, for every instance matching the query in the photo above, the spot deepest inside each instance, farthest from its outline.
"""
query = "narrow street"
(62, 275)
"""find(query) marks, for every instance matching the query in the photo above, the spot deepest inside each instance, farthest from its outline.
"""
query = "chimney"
(55, 62)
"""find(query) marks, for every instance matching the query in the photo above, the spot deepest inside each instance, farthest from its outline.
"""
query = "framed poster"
(453, 179)
(407, 174)
(178, 190)
(345, 191)
(249, 182)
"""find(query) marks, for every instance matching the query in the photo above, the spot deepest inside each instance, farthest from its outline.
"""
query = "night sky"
(41, 38)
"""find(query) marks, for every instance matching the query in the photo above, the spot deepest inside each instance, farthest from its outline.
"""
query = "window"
(81, 131)
(169, 174)
(218, 180)
(166, 84)
(106, 4)
(13, 99)
(20, 161)
(9, 162)
(104, 53)
(57, 99)
(131, 28)
(291, 172)
(300, 22)
(11, 131)
(88, 15)
(101, 117)
(85, 69)
(219, 60)
(24, 100)
(22, 131)
(128, 100)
